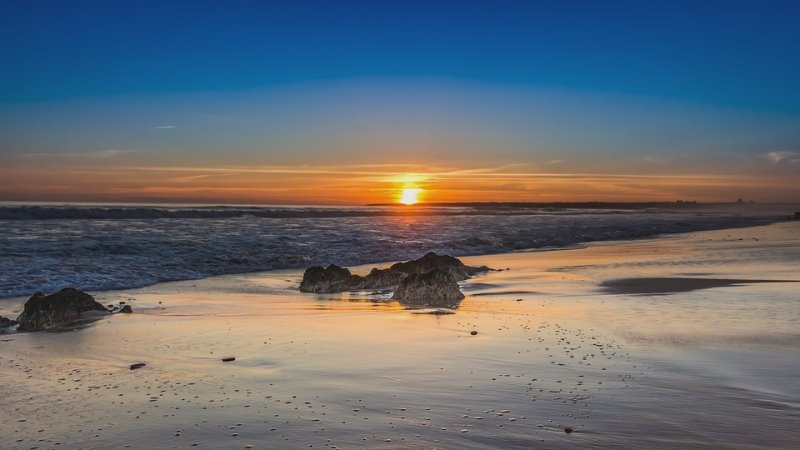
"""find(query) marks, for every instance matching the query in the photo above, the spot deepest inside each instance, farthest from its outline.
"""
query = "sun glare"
(410, 196)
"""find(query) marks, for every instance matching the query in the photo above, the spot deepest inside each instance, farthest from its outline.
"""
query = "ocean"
(107, 247)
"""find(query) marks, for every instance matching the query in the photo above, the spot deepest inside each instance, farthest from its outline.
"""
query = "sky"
(351, 102)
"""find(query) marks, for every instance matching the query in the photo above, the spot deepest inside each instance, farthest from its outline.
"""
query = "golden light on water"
(410, 196)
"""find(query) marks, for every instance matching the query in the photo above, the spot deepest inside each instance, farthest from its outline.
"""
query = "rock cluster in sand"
(431, 280)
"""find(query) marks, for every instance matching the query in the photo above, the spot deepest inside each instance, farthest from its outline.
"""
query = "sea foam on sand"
(671, 367)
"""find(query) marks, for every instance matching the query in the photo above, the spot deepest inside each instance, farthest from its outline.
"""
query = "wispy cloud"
(653, 159)
(199, 177)
(783, 157)
(164, 127)
(94, 154)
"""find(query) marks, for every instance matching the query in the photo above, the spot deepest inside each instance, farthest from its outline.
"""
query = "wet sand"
(691, 364)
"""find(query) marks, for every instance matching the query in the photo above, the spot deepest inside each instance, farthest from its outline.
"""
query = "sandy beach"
(683, 341)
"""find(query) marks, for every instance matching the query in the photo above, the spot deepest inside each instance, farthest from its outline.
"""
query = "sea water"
(46, 248)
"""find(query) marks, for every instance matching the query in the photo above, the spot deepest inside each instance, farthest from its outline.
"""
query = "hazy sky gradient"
(349, 103)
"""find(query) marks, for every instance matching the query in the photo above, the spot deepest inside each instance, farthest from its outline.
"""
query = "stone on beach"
(445, 263)
(434, 288)
(6, 322)
(43, 312)
(333, 279)
(327, 279)
(381, 278)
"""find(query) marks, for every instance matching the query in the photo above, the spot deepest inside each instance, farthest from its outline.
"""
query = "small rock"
(327, 279)
(568, 430)
(126, 309)
(435, 288)
(42, 312)
(5, 322)
(473, 332)
(137, 366)
(229, 359)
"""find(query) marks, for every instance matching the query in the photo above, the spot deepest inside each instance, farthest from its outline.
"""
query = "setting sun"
(410, 196)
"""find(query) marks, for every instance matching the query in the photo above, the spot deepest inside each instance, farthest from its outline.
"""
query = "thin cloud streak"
(783, 157)
(96, 154)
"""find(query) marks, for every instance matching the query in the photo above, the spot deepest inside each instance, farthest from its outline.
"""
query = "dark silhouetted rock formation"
(445, 263)
(381, 278)
(327, 279)
(44, 312)
(435, 288)
(337, 279)
(334, 279)
(5, 322)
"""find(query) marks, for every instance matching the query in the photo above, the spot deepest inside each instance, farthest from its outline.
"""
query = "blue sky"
(731, 53)
(614, 87)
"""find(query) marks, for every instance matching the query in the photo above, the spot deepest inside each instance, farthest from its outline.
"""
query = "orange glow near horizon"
(400, 184)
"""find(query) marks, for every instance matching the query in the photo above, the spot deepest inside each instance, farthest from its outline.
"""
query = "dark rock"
(473, 332)
(380, 278)
(126, 309)
(328, 279)
(137, 366)
(445, 263)
(337, 279)
(42, 312)
(796, 216)
(5, 322)
(568, 430)
(229, 359)
(435, 288)
(334, 279)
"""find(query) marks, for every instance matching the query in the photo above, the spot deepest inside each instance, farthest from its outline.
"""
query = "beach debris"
(229, 359)
(435, 288)
(333, 279)
(42, 312)
(137, 366)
